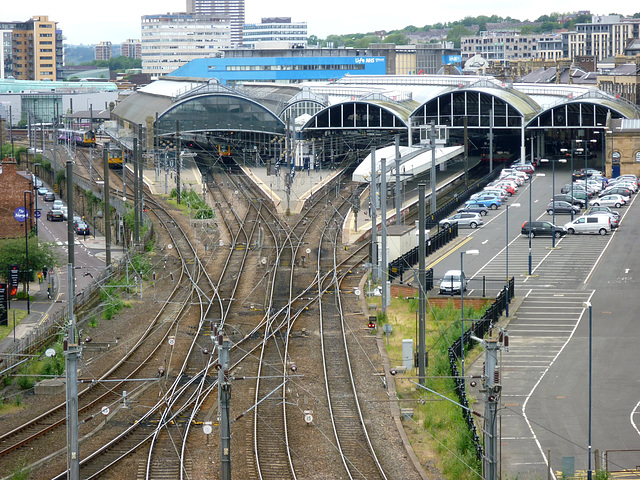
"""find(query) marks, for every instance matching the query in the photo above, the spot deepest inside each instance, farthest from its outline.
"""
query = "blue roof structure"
(286, 69)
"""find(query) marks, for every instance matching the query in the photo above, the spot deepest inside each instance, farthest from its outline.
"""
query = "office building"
(275, 29)
(172, 40)
(607, 35)
(511, 45)
(103, 51)
(233, 9)
(131, 48)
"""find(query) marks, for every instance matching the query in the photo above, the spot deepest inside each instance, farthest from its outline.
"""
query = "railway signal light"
(372, 322)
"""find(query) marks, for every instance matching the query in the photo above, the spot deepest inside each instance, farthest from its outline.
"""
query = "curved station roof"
(362, 103)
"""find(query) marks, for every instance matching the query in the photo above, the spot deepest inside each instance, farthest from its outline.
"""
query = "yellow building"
(35, 50)
(623, 148)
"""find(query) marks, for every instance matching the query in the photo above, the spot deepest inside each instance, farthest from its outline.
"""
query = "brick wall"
(409, 292)
(12, 187)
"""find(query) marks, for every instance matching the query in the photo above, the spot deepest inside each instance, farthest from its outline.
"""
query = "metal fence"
(406, 262)
(56, 322)
(478, 328)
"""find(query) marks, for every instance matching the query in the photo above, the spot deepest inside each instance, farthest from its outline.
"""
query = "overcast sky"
(116, 20)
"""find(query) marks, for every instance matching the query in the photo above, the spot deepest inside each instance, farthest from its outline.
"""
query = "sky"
(88, 23)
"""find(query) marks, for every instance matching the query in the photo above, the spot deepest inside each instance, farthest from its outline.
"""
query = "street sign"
(105, 410)
(21, 214)
(172, 340)
(14, 275)
(37, 214)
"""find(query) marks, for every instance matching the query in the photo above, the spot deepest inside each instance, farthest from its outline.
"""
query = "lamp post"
(553, 182)
(462, 286)
(516, 205)
(530, 202)
(36, 165)
(26, 244)
(590, 307)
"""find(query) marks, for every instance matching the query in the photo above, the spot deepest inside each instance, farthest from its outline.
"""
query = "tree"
(313, 40)
(526, 30)
(12, 252)
(455, 33)
(396, 38)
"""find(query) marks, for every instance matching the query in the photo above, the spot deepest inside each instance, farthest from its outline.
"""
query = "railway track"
(352, 439)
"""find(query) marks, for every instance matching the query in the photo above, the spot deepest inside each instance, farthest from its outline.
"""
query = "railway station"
(316, 125)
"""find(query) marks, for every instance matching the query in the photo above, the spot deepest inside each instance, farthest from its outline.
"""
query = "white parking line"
(524, 405)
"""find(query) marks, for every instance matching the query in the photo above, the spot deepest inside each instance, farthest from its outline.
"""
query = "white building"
(275, 29)
(172, 40)
(234, 9)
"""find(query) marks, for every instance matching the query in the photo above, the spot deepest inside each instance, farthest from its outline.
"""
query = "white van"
(590, 224)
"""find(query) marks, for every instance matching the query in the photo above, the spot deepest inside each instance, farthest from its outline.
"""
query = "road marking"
(634, 424)
(431, 265)
(626, 270)
(524, 405)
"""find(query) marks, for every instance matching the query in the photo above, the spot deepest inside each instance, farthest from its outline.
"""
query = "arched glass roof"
(589, 112)
(451, 108)
(220, 112)
(376, 114)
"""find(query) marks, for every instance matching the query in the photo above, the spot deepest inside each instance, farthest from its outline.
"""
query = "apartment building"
(233, 9)
(31, 50)
(511, 45)
(275, 29)
(104, 51)
(608, 35)
(131, 48)
(172, 40)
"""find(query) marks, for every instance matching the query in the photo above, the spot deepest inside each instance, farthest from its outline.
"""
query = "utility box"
(407, 353)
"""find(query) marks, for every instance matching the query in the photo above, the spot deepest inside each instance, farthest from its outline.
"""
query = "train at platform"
(84, 138)
(114, 155)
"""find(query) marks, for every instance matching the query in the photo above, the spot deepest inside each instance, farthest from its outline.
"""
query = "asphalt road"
(545, 373)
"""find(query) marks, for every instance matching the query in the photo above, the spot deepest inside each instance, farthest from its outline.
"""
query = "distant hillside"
(77, 54)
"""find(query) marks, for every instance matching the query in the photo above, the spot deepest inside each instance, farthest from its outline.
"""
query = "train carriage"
(85, 138)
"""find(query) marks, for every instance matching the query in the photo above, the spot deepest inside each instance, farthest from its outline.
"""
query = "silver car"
(465, 219)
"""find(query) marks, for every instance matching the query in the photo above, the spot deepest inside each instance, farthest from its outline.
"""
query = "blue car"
(489, 201)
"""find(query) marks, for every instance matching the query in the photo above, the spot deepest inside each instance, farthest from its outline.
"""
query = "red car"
(505, 186)
(526, 168)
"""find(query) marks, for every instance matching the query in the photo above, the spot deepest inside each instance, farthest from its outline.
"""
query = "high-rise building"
(131, 48)
(275, 29)
(234, 9)
(32, 50)
(171, 40)
(104, 51)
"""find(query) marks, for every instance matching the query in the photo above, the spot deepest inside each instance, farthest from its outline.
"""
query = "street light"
(516, 205)
(462, 285)
(26, 243)
(35, 214)
(590, 307)
(553, 204)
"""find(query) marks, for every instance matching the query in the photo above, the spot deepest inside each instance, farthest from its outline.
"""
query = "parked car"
(612, 200)
(82, 229)
(559, 206)
(510, 189)
(527, 168)
(37, 183)
(490, 201)
(65, 212)
(470, 219)
(566, 197)
(42, 190)
(77, 220)
(589, 224)
(55, 215)
(453, 282)
(542, 228)
(57, 205)
(624, 192)
(474, 207)
(49, 196)
(498, 192)
(600, 208)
